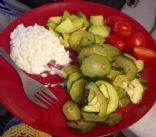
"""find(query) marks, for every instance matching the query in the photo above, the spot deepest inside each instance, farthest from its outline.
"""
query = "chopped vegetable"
(106, 78)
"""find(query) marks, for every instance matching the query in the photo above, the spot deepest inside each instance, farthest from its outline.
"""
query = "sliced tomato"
(111, 20)
(123, 29)
(115, 41)
(144, 53)
(136, 40)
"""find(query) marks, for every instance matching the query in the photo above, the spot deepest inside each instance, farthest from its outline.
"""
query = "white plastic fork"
(34, 90)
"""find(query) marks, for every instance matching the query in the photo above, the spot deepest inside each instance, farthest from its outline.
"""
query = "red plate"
(52, 121)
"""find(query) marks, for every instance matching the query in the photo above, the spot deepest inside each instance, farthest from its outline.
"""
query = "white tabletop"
(145, 14)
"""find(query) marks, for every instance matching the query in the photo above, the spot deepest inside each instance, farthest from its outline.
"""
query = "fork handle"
(9, 60)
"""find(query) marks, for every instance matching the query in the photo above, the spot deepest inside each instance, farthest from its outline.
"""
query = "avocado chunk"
(96, 20)
(79, 39)
(67, 70)
(82, 126)
(95, 66)
(86, 23)
(71, 111)
(77, 90)
(66, 15)
(93, 117)
(51, 25)
(100, 30)
(77, 23)
(91, 49)
(72, 78)
(99, 39)
(62, 27)
(56, 19)
(128, 66)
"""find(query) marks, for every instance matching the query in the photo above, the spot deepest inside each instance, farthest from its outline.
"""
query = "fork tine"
(49, 93)
(43, 99)
(38, 102)
(41, 93)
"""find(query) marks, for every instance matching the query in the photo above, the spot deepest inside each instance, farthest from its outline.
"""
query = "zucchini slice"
(128, 66)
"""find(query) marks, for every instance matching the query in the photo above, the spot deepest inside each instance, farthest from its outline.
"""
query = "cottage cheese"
(33, 47)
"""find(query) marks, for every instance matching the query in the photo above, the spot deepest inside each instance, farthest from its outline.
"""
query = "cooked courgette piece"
(67, 70)
(92, 108)
(93, 117)
(101, 99)
(95, 66)
(82, 126)
(91, 49)
(71, 111)
(113, 74)
(113, 97)
(121, 81)
(72, 78)
(124, 102)
(135, 91)
(121, 92)
(103, 88)
(113, 119)
(112, 52)
(91, 95)
(77, 90)
(99, 39)
(76, 40)
(139, 63)
(128, 66)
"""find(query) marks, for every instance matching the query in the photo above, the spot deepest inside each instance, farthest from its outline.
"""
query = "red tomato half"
(122, 29)
(111, 20)
(144, 53)
(115, 41)
(136, 40)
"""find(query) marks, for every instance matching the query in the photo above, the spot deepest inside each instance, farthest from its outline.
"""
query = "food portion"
(108, 75)
(110, 59)
(34, 47)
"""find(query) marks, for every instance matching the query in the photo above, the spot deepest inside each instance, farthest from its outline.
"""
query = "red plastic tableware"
(52, 121)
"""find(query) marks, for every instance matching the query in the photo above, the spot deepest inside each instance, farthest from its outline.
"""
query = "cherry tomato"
(111, 20)
(136, 40)
(122, 29)
(115, 41)
(144, 53)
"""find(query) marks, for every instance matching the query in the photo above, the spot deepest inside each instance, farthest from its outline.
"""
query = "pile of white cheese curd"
(34, 47)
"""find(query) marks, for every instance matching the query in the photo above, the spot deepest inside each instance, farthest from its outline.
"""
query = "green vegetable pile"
(77, 31)
(106, 80)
